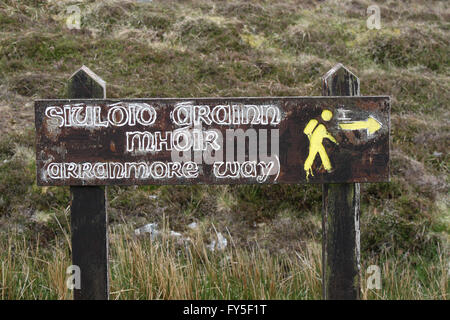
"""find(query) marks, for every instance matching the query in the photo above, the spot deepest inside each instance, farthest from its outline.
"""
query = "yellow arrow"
(372, 125)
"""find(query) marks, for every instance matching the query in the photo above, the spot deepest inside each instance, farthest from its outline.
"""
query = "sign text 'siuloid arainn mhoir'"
(212, 140)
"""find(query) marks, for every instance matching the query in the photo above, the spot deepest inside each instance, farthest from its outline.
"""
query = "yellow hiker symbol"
(316, 134)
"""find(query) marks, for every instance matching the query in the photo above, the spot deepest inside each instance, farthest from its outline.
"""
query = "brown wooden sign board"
(212, 140)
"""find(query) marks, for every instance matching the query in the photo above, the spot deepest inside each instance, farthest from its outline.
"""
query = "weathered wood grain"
(355, 156)
(340, 213)
(90, 241)
(89, 211)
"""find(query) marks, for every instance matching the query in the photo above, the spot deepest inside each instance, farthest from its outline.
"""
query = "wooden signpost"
(340, 213)
(88, 210)
(336, 141)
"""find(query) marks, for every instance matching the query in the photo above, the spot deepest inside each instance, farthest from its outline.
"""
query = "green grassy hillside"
(230, 48)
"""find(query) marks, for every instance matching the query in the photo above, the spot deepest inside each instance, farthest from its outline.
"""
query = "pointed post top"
(341, 279)
(339, 81)
(84, 83)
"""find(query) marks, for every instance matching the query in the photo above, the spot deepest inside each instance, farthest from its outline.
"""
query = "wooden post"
(88, 210)
(340, 213)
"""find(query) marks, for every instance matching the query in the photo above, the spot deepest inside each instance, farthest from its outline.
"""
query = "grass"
(145, 269)
(231, 48)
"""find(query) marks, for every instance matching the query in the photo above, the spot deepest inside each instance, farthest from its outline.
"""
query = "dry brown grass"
(163, 269)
